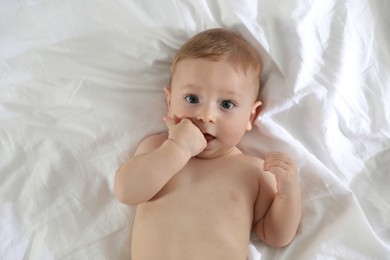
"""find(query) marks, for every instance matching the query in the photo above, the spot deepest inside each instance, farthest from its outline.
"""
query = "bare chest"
(218, 183)
(207, 206)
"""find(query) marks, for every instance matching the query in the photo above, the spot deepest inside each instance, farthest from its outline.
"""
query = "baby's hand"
(187, 135)
(286, 174)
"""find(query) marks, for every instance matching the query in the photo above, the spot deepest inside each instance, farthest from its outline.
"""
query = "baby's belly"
(190, 222)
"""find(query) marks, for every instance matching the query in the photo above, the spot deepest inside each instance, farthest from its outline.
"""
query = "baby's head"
(215, 83)
(221, 45)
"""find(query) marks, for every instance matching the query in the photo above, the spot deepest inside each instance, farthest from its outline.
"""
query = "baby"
(197, 195)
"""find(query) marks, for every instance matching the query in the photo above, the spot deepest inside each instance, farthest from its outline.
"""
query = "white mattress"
(81, 84)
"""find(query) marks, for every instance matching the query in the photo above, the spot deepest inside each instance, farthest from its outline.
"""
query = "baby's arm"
(279, 224)
(157, 160)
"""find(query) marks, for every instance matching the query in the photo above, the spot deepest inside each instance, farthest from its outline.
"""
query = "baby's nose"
(207, 115)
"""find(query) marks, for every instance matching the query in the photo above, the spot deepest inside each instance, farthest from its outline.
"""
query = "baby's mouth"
(208, 137)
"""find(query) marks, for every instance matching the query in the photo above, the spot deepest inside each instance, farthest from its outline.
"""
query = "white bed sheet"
(81, 85)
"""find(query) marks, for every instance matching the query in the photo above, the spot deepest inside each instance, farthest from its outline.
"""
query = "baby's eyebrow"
(231, 92)
(190, 86)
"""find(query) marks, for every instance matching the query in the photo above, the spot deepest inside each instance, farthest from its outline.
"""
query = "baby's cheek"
(177, 111)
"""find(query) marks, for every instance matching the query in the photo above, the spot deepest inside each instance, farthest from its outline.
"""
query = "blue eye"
(192, 99)
(227, 104)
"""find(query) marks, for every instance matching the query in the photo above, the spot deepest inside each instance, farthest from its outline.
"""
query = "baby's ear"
(167, 91)
(256, 108)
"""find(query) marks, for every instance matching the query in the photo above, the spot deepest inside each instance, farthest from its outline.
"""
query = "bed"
(81, 84)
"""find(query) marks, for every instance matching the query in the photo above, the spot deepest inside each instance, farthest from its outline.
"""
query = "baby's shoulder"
(150, 143)
(250, 162)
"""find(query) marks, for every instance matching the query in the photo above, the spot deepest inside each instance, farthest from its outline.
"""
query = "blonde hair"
(220, 45)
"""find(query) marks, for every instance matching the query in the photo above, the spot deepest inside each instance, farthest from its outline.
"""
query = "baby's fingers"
(270, 165)
(278, 160)
(276, 156)
(169, 121)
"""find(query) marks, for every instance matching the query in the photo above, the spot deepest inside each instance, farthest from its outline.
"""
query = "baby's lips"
(208, 137)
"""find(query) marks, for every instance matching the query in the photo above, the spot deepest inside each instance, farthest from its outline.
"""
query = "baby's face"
(219, 99)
